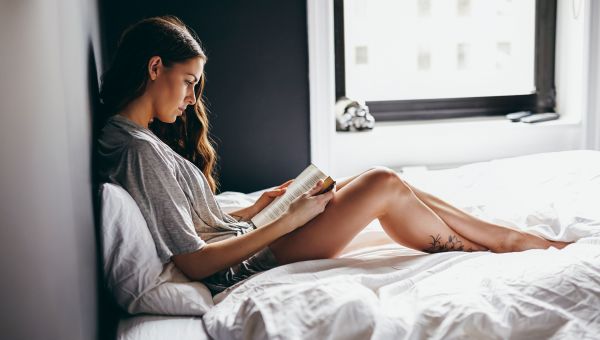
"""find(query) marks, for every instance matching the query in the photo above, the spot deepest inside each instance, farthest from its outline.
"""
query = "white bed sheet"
(390, 295)
(156, 327)
(394, 292)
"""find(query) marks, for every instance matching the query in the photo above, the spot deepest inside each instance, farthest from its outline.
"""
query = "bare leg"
(477, 230)
(377, 193)
(425, 198)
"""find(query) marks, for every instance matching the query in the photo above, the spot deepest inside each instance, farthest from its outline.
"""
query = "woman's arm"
(222, 254)
(244, 214)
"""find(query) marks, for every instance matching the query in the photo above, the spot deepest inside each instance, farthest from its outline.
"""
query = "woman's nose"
(192, 98)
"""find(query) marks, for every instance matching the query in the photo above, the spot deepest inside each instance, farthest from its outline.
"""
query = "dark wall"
(257, 80)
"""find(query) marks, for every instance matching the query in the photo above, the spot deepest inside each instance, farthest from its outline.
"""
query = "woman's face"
(172, 88)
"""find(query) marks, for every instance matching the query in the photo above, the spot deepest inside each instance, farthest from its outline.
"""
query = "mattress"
(388, 291)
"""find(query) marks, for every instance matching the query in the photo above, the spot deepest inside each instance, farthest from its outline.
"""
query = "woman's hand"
(267, 197)
(307, 206)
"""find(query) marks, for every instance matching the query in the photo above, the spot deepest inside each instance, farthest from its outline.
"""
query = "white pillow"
(132, 269)
(230, 201)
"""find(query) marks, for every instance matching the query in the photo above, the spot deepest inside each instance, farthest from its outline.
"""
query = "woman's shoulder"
(148, 147)
(128, 150)
(119, 134)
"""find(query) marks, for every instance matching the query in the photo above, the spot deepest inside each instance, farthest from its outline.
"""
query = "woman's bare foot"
(519, 241)
(559, 244)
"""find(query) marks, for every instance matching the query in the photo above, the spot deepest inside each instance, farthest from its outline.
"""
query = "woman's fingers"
(275, 193)
(315, 190)
(310, 204)
(321, 199)
(324, 199)
(286, 184)
(327, 196)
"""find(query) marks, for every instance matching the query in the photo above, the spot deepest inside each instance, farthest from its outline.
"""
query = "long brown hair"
(169, 38)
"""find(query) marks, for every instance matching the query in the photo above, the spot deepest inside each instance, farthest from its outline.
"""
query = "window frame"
(543, 100)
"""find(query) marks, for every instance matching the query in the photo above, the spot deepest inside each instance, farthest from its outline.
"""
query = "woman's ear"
(154, 67)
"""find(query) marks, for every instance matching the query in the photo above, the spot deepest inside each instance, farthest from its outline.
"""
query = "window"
(430, 59)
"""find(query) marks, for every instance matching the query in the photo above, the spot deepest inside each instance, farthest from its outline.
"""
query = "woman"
(156, 145)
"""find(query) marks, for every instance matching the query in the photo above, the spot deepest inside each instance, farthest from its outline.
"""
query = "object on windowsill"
(517, 116)
(540, 117)
(351, 115)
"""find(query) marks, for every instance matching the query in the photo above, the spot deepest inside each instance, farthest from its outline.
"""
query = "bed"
(389, 291)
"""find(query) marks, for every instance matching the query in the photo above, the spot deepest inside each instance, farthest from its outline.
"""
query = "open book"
(301, 184)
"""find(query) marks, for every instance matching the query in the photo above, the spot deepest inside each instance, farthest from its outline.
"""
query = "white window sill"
(436, 143)
(477, 122)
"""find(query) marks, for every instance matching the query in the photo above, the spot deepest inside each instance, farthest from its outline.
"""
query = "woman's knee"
(386, 178)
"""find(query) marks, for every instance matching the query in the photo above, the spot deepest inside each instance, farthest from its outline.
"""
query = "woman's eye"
(188, 82)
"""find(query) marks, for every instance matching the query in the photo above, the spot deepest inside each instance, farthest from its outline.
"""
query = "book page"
(301, 184)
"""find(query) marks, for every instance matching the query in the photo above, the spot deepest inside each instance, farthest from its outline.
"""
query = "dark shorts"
(259, 262)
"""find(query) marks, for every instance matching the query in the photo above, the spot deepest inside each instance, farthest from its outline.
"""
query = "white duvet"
(391, 292)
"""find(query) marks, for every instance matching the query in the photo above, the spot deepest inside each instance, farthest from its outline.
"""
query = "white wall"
(47, 247)
(444, 142)
(592, 118)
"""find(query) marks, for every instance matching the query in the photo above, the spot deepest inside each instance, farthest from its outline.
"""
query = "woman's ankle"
(520, 241)
(516, 240)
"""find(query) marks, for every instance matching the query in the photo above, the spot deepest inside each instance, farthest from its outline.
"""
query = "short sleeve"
(149, 177)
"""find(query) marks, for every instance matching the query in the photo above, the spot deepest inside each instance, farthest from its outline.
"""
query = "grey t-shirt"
(171, 192)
